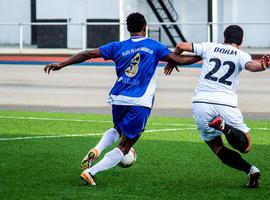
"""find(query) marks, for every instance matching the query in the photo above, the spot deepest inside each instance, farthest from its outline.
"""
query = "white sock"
(110, 160)
(108, 138)
(253, 170)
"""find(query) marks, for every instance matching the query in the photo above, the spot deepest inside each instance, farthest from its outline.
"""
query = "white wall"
(102, 9)
(77, 11)
(14, 11)
(193, 11)
(52, 9)
(140, 6)
(94, 9)
(235, 11)
(198, 13)
(232, 11)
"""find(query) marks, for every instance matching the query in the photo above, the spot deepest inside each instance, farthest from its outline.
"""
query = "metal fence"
(20, 34)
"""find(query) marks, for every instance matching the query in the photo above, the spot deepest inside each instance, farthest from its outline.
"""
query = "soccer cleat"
(90, 157)
(217, 123)
(253, 177)
(87, 178)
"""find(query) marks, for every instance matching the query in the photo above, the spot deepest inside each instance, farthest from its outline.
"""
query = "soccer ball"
(128, 159)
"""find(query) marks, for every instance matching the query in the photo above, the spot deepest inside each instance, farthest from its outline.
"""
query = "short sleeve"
(244, 58)
(199, 48)
(108, 51)
(163, 51)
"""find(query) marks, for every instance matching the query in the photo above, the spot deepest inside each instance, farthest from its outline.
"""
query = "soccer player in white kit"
(215, 100)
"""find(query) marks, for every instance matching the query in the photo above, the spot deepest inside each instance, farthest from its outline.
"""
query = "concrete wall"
(102, 9)
(94, 9)
(250, 11)
(198, 13)
(192, 11)
(231, 11)
(17, 11)
(51, 9)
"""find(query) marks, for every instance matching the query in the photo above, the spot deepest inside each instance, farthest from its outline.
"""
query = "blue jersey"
(136, 60)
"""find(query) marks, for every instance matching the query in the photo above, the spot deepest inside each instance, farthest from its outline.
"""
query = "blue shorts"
(130, 120)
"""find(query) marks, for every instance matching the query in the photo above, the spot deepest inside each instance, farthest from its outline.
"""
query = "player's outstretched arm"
(255, 66)
(174, 60)
(179, 49)
(77, 58)
(183, 46)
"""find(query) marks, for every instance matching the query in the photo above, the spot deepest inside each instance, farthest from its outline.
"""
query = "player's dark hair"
(135, 22)
(233, 34)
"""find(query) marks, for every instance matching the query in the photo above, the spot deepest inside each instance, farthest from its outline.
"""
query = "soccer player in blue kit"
(131, 97)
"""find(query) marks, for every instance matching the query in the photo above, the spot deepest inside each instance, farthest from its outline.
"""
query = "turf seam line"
(85, 135)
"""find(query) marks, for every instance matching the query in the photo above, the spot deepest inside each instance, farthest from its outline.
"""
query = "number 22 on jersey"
(211, 75)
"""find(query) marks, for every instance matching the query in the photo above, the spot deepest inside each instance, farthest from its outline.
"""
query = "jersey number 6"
(217, 66)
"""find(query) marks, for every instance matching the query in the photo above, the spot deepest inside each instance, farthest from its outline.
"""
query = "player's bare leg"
(109, 138)
(126, 143)
(110, 159)
(234, 160)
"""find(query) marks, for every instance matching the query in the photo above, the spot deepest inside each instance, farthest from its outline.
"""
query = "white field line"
(85, 135)
(262, 129)
(49, 136)
(102, 121)
(83, 120)
(54, 119)
(95, 121)
(169, 129)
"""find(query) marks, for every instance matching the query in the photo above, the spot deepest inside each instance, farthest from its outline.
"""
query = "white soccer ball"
(128, 159)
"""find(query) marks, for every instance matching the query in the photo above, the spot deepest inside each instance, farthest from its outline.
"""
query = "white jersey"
(222, 64)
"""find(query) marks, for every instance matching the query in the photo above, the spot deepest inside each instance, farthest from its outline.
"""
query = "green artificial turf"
(172, 160)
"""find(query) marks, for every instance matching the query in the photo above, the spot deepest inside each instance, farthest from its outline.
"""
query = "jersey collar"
(137, 38)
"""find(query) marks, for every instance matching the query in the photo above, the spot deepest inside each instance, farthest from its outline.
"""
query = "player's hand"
(53, 67)
(265, 62)
(169, 68)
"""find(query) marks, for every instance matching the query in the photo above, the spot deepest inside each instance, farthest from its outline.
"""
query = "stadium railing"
(210, 31)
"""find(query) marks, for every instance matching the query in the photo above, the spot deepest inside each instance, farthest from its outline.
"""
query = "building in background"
(193, 17)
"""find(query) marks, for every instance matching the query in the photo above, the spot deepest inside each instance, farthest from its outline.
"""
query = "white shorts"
(204, 113)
